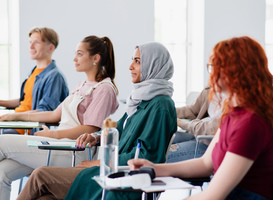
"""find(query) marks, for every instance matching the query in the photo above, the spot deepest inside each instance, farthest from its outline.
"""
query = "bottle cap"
(107, 123)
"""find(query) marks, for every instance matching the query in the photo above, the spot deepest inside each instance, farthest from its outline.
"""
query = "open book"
(20, 124)
(55, 143)
(34, 143)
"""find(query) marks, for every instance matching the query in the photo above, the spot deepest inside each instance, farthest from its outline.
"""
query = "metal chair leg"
(90, 154)
(154, 195)
(73, 159)
(103, 194)
(196, 148)
(48, 157)
(20, 185)
(143, 196)
(190, 191)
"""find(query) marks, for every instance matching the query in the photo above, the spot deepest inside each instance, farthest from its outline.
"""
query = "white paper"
(171, 183)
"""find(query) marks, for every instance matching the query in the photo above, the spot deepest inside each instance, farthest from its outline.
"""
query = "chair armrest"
(201, 137)
(7, 108)
(52, 124)
(61, 148)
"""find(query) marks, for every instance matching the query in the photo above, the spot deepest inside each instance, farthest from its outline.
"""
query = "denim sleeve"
(53, 92)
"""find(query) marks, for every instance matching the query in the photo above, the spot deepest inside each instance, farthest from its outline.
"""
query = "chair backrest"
(169, 146)
(198, 138)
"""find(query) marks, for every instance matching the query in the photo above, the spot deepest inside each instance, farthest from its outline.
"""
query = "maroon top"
(247, 135)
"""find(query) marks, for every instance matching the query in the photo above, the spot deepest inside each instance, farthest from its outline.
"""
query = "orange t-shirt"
(26, 104)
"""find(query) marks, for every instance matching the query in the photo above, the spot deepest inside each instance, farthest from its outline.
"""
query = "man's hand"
(46, 132)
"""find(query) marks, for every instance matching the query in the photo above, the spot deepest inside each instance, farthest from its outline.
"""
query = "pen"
(137, 150)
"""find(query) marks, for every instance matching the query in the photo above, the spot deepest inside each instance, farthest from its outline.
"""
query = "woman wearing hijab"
(241, 153)
(150, 119)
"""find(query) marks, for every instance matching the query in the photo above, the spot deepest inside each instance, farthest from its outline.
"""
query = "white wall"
(129, 23)
(229, 18)
(126, 22)
(196, 49)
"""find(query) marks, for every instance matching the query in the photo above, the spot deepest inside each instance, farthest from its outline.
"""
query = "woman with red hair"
(241, 154)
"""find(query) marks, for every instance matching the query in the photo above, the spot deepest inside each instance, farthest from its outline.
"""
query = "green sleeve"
(154, 137)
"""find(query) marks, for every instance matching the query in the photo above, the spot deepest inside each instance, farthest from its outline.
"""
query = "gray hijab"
(156, 70)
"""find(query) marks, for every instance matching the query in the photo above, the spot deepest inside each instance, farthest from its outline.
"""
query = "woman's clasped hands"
(90, 139)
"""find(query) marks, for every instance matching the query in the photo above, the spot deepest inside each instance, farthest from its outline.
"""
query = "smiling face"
(135, 67)
(83, 61)
(39, 49)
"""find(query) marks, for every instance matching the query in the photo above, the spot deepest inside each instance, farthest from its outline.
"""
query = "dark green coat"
(153, 124)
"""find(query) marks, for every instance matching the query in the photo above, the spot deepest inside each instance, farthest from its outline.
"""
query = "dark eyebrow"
(135, 58)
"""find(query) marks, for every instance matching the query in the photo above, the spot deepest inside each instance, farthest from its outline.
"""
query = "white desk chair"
(201, 137)
(48, 159)
(169, 146)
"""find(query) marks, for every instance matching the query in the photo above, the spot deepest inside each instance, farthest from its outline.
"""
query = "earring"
(103, 70)
(94, 63)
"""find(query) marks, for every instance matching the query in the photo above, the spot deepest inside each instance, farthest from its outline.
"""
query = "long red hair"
(242, 66)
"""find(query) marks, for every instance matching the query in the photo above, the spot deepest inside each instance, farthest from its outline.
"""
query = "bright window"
(269, 33)
(179, 25)
(171, 31)
(4, 50)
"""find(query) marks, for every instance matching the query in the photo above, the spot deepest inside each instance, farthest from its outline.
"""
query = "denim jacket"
(49, 89)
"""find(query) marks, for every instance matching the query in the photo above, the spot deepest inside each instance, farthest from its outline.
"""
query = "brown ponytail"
(104, 47)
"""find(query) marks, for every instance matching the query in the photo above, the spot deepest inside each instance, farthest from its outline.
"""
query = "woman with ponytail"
(83, 111)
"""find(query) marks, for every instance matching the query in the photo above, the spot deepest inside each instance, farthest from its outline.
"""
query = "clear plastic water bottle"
(109, 149)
